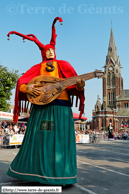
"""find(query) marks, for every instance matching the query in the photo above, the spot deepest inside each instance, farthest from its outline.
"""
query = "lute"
(51, 87)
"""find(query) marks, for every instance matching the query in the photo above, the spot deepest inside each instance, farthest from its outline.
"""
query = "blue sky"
(82, 40)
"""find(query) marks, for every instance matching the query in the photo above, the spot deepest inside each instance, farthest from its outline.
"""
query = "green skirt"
(48, 152)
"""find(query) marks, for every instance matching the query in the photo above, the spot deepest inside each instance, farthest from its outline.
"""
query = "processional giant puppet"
(110, 129)
(48, 151)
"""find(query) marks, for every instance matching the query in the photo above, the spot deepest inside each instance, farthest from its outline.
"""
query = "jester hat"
(41, 46)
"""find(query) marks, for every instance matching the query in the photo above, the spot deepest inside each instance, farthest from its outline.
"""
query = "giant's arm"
(23, 88)
(31, 89)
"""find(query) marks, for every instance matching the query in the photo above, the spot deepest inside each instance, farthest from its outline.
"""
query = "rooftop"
(123, 112)
(124, 95)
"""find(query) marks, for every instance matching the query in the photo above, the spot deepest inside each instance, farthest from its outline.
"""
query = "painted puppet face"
(50, 53)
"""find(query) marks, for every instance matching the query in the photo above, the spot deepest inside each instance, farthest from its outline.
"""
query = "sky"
(82, 40)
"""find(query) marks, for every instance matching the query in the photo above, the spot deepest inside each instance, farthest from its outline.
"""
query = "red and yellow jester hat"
(41, 46)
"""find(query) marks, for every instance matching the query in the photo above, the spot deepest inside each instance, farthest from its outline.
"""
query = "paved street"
(103, 168)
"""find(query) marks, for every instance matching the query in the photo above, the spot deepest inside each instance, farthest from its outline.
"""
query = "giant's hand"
(33, 90)
(80, 84)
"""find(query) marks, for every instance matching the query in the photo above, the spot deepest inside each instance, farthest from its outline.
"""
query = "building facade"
(114, 108)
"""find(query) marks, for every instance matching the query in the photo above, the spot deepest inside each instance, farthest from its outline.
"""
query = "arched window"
(110, 121)
(102, 124)
(111, 98)
(109, 78)
(126, 105)
(113, 79)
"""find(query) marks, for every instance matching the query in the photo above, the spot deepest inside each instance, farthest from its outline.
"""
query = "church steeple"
(112, 80)
(98, 104)
(112, 53)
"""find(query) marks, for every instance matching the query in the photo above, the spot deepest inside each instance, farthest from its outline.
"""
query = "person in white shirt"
(6, 130)
(16, 129)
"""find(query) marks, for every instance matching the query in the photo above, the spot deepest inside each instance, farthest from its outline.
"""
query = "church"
(114, 107)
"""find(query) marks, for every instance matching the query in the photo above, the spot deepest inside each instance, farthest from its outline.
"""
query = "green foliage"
(106, 128)
(8, 81)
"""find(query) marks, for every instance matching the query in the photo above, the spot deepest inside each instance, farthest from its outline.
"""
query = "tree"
(8, 81)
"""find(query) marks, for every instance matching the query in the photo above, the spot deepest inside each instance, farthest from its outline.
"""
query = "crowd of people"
(121, 135)
(10, 128)
(101, 134)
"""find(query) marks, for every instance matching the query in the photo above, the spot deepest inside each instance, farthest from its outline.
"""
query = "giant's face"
(50, 54)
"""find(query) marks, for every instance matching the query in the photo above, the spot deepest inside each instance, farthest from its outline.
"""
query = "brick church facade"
(115, 106)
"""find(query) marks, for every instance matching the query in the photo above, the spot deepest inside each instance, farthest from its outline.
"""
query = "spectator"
(20, 131)
(0, 131)
(10, 131)
(16, 129)
(13, 129)
(24, 129)
(115, 136)
(6, 130)
(90, 135)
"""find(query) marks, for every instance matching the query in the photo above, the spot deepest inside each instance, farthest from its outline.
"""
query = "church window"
(110, 121)
(111, 98)
(111, 79)
(125, 105)
(103, 124)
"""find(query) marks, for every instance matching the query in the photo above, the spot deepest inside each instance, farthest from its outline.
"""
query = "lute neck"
(73, 80)
(85, 76)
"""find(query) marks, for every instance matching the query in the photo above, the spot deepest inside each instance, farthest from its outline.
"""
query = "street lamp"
(103, 119)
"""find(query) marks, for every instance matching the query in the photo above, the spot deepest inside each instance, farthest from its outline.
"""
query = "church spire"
(112, 47)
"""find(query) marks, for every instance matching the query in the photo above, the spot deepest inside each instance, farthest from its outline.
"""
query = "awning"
(23, 120)
(76, 116)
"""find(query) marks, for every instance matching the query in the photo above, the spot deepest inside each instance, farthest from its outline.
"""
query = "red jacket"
(65, 71)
